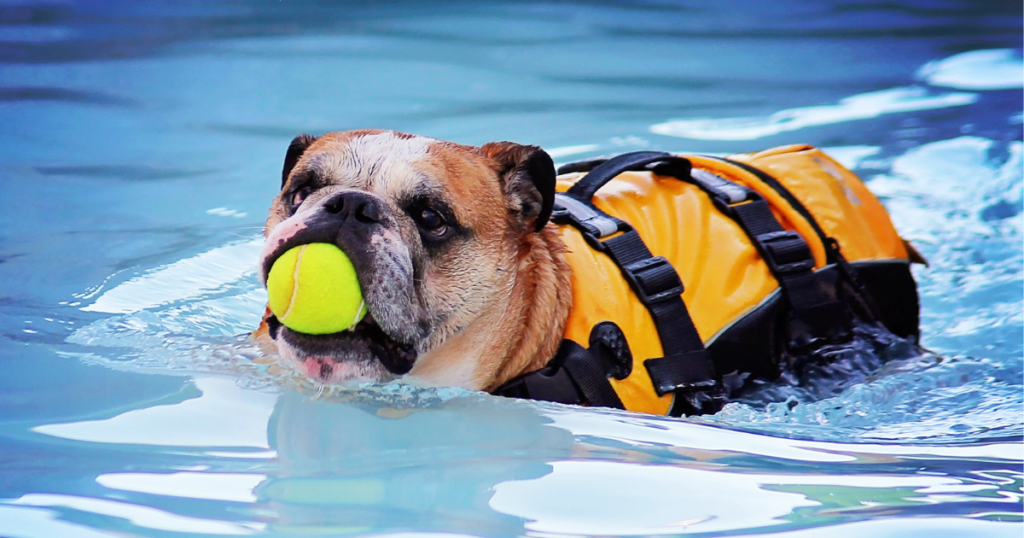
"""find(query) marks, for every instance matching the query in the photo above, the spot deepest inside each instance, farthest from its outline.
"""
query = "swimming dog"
(466, 280)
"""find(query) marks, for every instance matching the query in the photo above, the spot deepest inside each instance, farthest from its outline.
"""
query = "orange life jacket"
(732, 293)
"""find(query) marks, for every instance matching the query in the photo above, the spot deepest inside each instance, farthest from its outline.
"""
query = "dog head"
(437, 233)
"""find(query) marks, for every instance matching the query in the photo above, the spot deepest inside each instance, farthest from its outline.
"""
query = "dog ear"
(528, 179)
(295, 150)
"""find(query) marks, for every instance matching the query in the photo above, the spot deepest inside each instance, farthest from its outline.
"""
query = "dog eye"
(430, 220)
(298, 196)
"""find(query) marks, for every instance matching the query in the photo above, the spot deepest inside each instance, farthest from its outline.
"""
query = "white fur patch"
(375, 161)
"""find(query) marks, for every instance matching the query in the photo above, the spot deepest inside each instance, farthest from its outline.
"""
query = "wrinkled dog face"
(431, 227)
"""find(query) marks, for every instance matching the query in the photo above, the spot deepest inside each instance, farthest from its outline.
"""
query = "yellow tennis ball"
(313, 289)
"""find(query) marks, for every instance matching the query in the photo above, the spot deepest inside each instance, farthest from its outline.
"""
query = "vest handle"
(604, 171)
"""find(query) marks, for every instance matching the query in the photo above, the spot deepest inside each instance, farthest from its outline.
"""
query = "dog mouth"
(364, 351)
(381, 346)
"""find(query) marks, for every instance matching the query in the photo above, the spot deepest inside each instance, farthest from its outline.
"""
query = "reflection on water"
(389, 459)
(140, 150)
(375, 467)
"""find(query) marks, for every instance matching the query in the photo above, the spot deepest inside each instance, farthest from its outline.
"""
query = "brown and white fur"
(465, 284)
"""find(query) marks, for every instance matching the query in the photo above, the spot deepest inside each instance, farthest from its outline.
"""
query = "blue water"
(141, 143)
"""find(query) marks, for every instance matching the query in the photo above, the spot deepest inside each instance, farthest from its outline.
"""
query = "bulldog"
(468, 285)
(465, 284)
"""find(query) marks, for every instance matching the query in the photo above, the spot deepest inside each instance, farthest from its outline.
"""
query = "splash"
(960, 202)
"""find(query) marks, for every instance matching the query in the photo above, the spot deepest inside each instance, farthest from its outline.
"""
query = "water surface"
(142, 143)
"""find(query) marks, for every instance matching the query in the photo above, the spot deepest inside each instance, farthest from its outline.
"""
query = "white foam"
(929, 186)
(183, 279)
(992, 69)
(855, 107)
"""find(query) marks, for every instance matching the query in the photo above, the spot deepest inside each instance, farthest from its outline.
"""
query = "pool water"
(141, 143)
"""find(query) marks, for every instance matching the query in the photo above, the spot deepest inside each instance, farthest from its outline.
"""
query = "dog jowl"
(464, 285)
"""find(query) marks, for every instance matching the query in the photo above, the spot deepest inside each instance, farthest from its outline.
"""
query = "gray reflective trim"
(581, 212)
(767, 299)
(730, 191)
(776, 291)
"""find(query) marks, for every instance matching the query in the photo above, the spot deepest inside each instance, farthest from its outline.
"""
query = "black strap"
(657, 285)
(569, 378)
(590, 381)
(549, 384)
(816, 315)
(833, 254)
(686, 366)
(793, 201)
(786, 252)
(585, 188)
(693, 370)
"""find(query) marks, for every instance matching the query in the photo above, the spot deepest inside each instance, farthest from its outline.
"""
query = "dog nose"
(362, 207)
(368, 212)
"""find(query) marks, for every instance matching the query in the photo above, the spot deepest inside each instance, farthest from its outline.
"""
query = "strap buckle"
(574, 376)
(595, 222)
(549, 384)
(786, 252)
(720, 188)
(653, 280)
